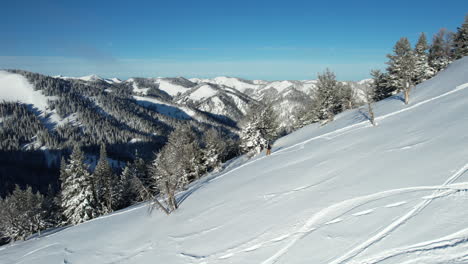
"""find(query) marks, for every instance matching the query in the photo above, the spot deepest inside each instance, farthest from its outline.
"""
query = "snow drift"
(346, 192)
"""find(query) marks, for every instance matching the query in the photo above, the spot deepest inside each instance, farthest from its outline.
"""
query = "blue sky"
(271, 40)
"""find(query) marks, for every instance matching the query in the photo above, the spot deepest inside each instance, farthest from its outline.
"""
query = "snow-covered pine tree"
(326, 100)
(105, 182)
(178, 163)
(52, 208)
(439, 53)
(422, 68)
(22, 214)
(215, 149)
(77, 196)
(347, 97)
(460, 41)
(260, 126)
(401, 67)
(125, 192)
(382, 87)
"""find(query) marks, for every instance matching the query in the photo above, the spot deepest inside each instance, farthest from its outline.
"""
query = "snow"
(170, 88)
(87, 78)
(345, 192)
(235, 83)
(15, 87)
(278, 85)
(179, 112)
(202, 92)
(137, 89)
(113, 80)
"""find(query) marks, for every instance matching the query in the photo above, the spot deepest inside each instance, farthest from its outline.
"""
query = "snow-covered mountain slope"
(14, 87)
(346, 192)
(216, 99)
(170, 86)
(174, 86)
(236, 83)
(165, 108)
(287, 96)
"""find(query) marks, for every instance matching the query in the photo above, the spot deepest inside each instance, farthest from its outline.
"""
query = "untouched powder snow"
(15, 87)
(345, 192)
(202, 92)
(170, 88)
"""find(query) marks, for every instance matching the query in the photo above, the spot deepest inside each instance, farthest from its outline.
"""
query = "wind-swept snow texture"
(345, 192)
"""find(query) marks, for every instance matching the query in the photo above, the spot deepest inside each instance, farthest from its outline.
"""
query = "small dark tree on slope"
(382, 88)
(105, 182)
(461, 40)
(440, 51)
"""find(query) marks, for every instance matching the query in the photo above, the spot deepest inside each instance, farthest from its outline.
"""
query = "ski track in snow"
(395, 204)
(341, 208)
(386, 231)
(334, 221)
(195, 234)
(328, 216)
(313, 223)
(366, 212)
(452, 240)
(39, 249)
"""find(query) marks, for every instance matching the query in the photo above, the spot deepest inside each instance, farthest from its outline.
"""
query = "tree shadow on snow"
(397, 97)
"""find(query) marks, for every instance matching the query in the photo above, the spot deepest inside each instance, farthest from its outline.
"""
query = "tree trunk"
(407, 92)
(371, 113)
(406, 96)
(156, 201)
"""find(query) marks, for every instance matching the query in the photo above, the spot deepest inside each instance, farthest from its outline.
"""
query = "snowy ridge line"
(366, 123)
(400, 221)
(339, 209)
(451, 240)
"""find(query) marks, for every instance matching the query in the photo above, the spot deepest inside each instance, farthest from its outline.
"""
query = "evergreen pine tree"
(439, 53)
(22, 214)
(105, 182)
(381, 85)
(178, 163)
(260, 127)
(401, 67)
(461, 40)
(326, 100)
(215, 149)
(422, 68)
(77, 197)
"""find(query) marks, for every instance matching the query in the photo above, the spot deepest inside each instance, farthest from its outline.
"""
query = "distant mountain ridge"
(228, 96)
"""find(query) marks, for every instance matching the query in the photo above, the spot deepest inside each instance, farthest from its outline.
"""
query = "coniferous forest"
(99, 148)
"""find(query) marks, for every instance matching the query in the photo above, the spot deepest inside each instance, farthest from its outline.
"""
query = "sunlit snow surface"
(14, 87)
(345, 192)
